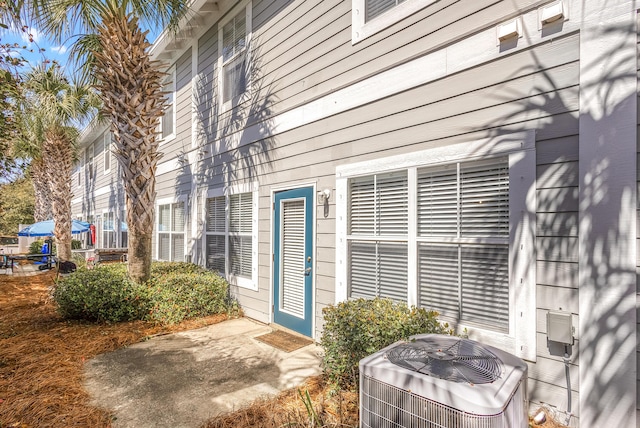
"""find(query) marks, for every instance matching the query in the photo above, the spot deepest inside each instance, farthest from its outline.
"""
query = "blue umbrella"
(45, 228)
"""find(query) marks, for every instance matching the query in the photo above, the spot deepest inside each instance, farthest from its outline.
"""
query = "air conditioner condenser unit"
(438, 381)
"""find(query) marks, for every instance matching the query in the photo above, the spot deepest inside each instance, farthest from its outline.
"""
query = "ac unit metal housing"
(438, 381)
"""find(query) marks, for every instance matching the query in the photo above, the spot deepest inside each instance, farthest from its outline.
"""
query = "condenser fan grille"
(449, 358)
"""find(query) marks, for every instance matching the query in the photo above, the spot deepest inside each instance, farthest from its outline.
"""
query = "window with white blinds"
(108, 231)
(461, 239)
(168, 119)
(171, 230)
(229, 234)
(374, 8)
(106, 152)
(234, 58)
(378, 234)
(369, 17)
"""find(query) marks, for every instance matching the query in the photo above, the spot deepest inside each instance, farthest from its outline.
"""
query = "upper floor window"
(107, 152)
(168, 120)
(88, 161)
(372, 16)
(234, 39)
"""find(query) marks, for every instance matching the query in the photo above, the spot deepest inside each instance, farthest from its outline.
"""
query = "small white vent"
(436, 381)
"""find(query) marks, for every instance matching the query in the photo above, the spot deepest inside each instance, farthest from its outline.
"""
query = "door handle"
(307, 271)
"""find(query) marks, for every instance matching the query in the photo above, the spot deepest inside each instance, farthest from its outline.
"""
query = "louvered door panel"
(293, 265)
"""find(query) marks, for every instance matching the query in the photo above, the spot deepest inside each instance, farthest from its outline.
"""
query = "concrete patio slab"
(183, 379)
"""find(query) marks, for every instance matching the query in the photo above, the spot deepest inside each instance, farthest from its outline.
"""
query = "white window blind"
(463, 252)
(108, 231)
(240, 231)
(216, 234)
(229, 233)
(378, 7)
(462, 239)
(378, 230)
(234, 40)
(168, 119)
(171, 228)
(107, 151)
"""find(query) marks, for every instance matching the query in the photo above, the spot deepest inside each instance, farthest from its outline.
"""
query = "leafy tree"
(16, 205)
(114, 51)
(51, 107)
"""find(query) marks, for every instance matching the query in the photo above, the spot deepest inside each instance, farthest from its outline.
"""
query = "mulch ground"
(42, 356)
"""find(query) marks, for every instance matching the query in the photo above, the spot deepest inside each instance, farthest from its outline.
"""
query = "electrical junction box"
(560, 327)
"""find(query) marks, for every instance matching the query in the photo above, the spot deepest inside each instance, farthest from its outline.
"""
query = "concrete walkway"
(183, 379)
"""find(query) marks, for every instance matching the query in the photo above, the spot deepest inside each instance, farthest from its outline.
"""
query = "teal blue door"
(293, 260)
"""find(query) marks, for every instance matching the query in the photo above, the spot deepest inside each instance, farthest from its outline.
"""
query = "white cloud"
(61, 50)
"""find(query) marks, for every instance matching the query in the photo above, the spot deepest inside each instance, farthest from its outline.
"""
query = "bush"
(164, 268)
(361, 327)
(177, 296)
(176, 291)
(101, 294)
(76, 244)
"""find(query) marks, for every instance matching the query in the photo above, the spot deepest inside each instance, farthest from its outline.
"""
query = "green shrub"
(185, 294)
(164, 268)
(176, 291)
(101, 294)
(357, 328)
(76, 244)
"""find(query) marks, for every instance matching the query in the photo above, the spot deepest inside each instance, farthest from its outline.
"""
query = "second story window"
(168, 120)
(375, 8)
(88, 161)
(234, 36)
(107, 152)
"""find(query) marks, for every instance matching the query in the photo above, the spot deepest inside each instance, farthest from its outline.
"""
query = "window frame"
(246, 51)
(360, 29)
(169, 79)
(106, 153)
(108, 215)
(227, 193)
(520, 338)
(89, 155)
(171, 232)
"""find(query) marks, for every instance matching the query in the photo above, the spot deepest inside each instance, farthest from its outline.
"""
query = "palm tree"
(51, 108)
(115, 52)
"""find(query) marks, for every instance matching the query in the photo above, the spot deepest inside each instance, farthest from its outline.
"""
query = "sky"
(30, 41)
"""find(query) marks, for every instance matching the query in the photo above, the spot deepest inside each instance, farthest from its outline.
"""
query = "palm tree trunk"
(131, 90)
(58, 158)
(40, 180)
